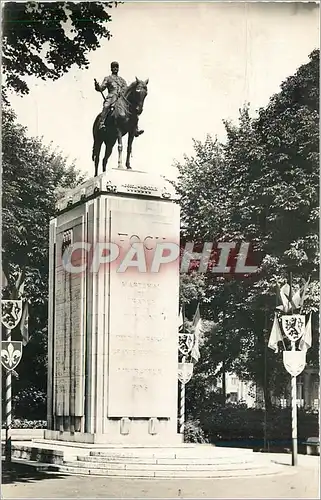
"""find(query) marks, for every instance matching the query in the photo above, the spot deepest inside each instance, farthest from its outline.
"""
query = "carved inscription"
(68, 339)
(142, 345)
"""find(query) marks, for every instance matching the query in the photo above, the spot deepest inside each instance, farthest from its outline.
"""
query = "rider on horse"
(116, 85)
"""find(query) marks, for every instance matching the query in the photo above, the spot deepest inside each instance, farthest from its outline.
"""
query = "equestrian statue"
(119, 116)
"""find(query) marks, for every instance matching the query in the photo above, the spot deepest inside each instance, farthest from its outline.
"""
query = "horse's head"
(138, 94)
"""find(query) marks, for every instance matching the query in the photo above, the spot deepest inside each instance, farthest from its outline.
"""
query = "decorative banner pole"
(294, 417)
(294, 363)
(8, 409)
(295, 329)
(182, 405)
(11, 353)
(182, 410)
(188, 344)
(294, 408)
(185, 372)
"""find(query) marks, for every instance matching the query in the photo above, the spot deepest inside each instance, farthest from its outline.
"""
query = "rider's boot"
(103, 117)
(138, 132)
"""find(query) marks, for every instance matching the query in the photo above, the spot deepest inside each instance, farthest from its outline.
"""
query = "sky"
(204, 61)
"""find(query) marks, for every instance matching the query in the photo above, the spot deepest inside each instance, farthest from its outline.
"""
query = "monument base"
(142, 438)
(113, 312)
(159, 462)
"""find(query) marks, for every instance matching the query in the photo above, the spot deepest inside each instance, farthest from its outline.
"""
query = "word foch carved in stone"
(149, 256)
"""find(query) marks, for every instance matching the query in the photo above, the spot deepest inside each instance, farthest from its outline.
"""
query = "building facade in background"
(308, 391)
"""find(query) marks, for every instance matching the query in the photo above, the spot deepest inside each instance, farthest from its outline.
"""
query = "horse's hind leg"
(129, 148)
(120, 149)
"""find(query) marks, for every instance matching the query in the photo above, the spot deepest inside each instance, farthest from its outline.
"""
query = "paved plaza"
(300, 482)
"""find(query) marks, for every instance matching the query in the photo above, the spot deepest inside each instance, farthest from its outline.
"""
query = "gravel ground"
(298, 482)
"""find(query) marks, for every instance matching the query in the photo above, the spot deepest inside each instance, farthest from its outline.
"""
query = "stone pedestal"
(112, 344)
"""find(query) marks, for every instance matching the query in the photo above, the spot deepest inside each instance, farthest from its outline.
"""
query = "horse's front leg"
(120, 148)
(131, 136)
(109, 148)
(96, 152)
(105, 159)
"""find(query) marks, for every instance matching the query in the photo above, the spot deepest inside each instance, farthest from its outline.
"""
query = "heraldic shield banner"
(11, 353)
(11, 312)
(294, 362)
(185, 343)
(185, 372)
(293, 326)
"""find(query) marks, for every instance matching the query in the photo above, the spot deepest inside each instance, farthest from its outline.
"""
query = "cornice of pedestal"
(121, 182)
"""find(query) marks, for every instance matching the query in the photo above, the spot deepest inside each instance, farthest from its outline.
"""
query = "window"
(233, 397)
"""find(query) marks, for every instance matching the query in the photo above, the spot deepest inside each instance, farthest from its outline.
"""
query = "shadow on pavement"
(21, 473)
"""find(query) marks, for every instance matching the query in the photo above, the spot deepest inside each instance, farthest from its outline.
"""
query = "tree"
(32, 175)
(45, 39)
(261, 186)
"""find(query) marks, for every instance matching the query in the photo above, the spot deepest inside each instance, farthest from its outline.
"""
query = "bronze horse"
(121, 121)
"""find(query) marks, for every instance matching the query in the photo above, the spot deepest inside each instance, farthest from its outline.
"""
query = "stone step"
(259, 471)
(158, 467)
(117, 447)
(188, 454)
(167, 461)
(38, 466)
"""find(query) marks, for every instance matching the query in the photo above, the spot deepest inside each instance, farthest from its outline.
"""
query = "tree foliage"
(262, 187)
(32, 174)
(45, 39)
